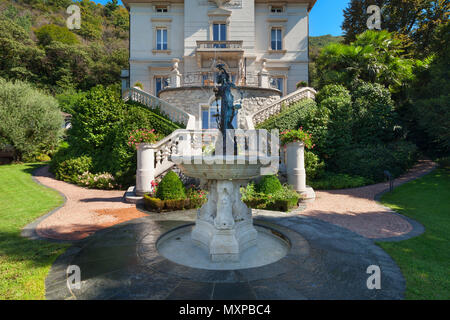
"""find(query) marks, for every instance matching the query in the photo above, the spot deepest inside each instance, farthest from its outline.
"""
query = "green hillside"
(317, 43)
(36, 45)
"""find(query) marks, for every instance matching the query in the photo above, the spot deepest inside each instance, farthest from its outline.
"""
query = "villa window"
(161, 9)
(219, 34)
(161, 39)
(276, 9)
(161, 83)
(276, 39)
(209, 116)
(278, 83)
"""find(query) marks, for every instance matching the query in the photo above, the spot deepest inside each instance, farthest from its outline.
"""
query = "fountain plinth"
(224, 225)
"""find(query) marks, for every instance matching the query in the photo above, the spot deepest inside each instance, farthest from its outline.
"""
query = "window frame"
(161, 78)
(161, 8)
(277, 9)
(160, 30)
(276, 30)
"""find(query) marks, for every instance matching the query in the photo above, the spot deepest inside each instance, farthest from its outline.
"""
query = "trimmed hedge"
(158, 205)
(290, 118)
(157, 120)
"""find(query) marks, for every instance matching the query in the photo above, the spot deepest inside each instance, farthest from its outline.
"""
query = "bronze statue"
(223, 92)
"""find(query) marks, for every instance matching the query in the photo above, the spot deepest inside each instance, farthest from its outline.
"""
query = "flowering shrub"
(142, 136)
(103, 180)
(297, 136)
(194, 193)
(301, 84)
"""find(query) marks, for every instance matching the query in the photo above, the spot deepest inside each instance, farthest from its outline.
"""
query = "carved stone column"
(295, 169)
(224, 225)
(145, 172)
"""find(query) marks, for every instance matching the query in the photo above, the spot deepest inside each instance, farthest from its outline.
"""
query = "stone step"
(131, 197)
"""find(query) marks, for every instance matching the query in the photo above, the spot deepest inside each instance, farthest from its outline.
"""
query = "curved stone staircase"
(160, 153)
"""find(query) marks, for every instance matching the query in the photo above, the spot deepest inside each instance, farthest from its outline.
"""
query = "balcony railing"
(219, 45)
(208, 79)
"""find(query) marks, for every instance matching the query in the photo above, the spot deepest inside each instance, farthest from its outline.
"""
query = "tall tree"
(414, 21)
(355, 18)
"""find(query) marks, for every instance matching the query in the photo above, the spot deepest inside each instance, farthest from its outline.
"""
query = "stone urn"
(224, 225)
(295, 165)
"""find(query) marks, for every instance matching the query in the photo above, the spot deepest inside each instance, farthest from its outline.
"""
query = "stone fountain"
(224, 225)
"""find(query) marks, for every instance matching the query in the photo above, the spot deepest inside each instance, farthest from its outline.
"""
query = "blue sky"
(326, 17)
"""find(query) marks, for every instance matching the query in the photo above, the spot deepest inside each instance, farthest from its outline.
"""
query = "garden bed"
(157, 205)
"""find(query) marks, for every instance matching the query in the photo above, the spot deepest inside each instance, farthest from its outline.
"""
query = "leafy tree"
(66, 66)
(375, 56)
(30, 121)
(50, 32)
(19, 56)
(429, 108)
(110, 7)
(24, 20)
(355, 18)
(414, 21)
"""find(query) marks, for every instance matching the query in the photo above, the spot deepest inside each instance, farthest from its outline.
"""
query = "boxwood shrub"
(269, 185)
(171, 187)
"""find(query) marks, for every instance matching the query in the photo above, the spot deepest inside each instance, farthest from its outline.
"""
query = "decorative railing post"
(264, 80)
(145, 172)
(295, 169)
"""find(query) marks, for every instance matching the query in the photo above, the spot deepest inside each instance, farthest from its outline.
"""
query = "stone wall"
(191, 99)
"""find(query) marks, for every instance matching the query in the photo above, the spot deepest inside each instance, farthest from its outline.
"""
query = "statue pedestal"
(224, 225)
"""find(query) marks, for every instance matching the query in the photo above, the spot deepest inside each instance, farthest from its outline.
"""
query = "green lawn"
(424, 260)
(24, 263)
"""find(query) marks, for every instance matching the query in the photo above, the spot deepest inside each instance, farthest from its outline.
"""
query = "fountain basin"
(224, 167)
(175, 245)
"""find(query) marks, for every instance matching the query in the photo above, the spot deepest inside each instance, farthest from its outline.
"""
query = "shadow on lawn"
(34, 253)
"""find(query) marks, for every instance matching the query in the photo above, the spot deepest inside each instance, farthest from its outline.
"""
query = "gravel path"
(355, 209)
(87, 210)
(84, 210)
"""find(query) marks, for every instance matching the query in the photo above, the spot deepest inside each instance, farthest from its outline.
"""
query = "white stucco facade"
(192, 45)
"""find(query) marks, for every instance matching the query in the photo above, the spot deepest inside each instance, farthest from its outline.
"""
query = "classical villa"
(176, 44)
